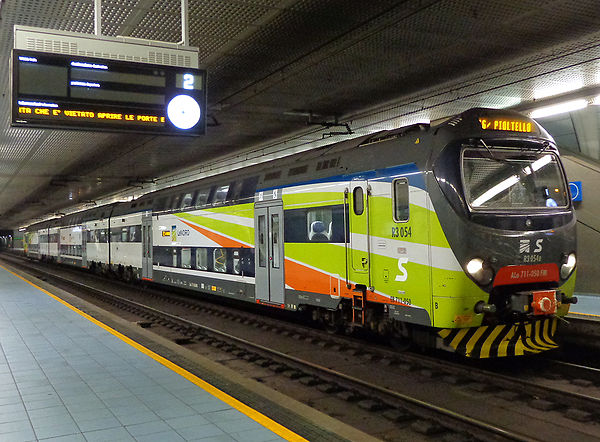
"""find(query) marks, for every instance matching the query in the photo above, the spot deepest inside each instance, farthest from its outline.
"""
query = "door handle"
(364, 261)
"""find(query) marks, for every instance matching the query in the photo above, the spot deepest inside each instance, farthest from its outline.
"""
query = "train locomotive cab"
(508, 217)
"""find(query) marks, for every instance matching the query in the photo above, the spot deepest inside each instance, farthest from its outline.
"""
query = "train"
(457, 236)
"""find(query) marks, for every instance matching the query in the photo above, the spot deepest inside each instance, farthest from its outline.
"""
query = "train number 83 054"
(401, 232)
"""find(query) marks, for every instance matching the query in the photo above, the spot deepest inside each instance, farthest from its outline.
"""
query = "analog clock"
(183, 111)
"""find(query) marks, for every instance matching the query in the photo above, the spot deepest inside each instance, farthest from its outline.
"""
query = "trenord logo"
(524, 246)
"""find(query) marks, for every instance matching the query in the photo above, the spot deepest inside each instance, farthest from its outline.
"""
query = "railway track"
(403, 387)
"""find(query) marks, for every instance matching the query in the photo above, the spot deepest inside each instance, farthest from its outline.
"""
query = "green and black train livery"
(458, 236)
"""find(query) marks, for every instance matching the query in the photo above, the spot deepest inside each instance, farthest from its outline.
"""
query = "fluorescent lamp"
(498, 188)
(539, 163)
(557, 89)
(561, 108)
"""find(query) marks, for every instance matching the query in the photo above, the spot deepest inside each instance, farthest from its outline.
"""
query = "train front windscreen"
(496, 179)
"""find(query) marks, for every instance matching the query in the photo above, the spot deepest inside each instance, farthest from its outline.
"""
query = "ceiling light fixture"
(557, 89)
(560, 108)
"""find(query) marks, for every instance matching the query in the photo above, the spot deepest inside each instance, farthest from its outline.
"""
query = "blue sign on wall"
(576, 190)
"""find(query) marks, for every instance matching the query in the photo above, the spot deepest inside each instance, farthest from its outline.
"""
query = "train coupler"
(564, 299)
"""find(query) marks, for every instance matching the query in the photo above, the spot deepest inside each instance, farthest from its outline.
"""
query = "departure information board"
(65, 91)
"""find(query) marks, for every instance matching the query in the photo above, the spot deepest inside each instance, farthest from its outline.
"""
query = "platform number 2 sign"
(188, 81)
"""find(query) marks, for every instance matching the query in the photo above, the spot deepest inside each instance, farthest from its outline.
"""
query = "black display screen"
(65, 91)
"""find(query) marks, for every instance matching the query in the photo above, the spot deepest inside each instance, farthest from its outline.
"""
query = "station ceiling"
(271, 63)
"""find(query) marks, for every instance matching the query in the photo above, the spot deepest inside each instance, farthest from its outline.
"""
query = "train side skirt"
(490, 341)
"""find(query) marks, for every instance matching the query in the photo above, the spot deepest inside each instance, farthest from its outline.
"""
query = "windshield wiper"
(545, 146)
(492, 156)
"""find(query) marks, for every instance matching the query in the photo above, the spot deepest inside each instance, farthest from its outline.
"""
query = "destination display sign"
(507, 125)
(65, 91)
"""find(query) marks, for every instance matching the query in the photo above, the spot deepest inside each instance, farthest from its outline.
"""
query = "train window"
(202, 197)
(186, 258)
(358, 200)
(220, 260)
(249, 187)
(275, 240)
(174, 262)
(161, 256)
(102, 236)
(124, 234)
(201, 259)
(273, 175)
(401, 204)
(327, 164)
(298, 170)
(221, 194)
(513, 180)
(175, 202)
(115, 235)
(237, 268)
(236, 190)
(161, 203)
(319, 224)
(262, 244)
(187, 200)
(135, 233)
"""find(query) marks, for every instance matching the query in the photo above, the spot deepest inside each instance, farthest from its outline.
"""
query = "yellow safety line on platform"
(266, 422)
(584, 314)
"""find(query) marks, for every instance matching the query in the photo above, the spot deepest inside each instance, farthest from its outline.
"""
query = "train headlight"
(479, 272)
(567, 268)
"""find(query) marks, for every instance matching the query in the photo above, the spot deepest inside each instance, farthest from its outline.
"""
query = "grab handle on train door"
(364, 262)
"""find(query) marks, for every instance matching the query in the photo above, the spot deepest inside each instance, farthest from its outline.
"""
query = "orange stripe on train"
(299, 276)
(223, 241)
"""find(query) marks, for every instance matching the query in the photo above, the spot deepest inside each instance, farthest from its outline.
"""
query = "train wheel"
(333, 328)
(399, 337)
(330, 320)
(400, 343)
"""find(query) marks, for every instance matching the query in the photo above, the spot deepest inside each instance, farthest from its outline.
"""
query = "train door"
(83, 246)
(58, 243)
(410, 280)
(359, 251)
(269, 257)
(147, 245)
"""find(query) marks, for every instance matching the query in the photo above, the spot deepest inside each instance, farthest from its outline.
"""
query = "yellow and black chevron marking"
(502, 340)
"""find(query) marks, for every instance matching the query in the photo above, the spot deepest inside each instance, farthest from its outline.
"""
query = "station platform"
(587, 307)
(67, 376)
